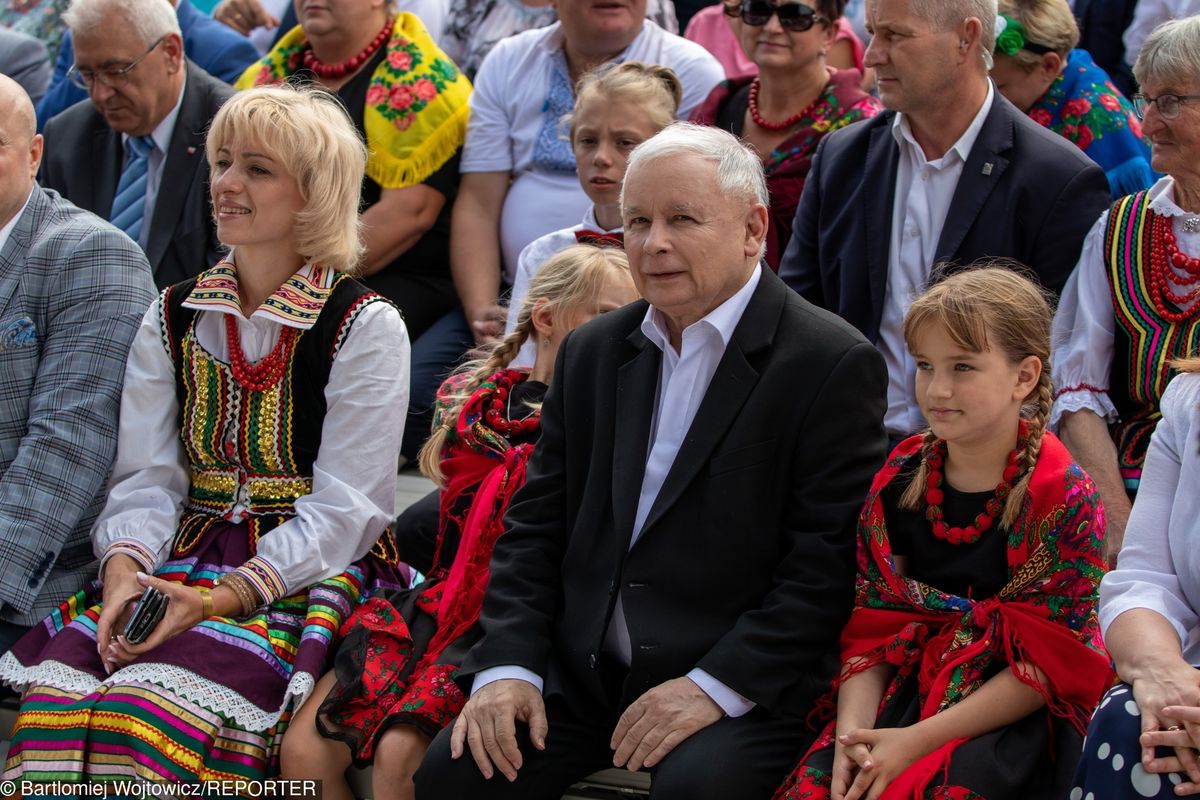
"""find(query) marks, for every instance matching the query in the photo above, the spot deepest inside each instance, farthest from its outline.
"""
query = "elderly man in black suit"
(134, 154)
(678, 567)
(951, 173)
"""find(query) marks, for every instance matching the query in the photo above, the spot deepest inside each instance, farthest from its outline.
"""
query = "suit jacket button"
(592, 661)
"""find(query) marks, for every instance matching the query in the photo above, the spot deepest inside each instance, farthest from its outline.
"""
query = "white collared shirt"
(924, 190)
(684, 377)
(7, 230)
(154, 167)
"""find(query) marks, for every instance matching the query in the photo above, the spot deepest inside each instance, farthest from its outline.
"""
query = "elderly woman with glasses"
(1132, 306)
(1062, 88)
(795, 99)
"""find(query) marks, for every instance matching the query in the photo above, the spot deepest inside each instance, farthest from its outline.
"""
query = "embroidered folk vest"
(253, 449)
(1145, 342)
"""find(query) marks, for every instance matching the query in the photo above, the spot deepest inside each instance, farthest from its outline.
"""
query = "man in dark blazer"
(163, 96)
(951, 173)
(677, 569)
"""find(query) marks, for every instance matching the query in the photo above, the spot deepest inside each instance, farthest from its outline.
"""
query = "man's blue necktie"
(129, 204)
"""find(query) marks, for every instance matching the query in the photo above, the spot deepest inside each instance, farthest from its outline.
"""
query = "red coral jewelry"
(343, 68)
(1170, 265)
(778, 126)
(995, 504)
(266, 373)
(498, 414)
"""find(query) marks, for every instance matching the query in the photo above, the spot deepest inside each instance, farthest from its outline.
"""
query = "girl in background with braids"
(972, 659)
(392, 687)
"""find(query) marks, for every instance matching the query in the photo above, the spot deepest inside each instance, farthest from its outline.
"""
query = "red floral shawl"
(1045, 616)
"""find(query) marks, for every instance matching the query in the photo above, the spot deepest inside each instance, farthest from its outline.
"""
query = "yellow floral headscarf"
(416, 109)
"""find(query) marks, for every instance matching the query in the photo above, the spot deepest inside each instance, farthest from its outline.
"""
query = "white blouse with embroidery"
(1085, 326)
(354, 475)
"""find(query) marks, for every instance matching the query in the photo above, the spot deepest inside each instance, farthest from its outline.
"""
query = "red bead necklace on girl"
(995, 504)
(499, 415)
(343, 68)
(1168, 264)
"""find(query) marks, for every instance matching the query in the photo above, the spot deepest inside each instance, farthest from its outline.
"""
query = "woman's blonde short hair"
(1049, 23)
(308, 131)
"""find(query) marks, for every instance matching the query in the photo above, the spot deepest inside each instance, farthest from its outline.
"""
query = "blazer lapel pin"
(987, 168)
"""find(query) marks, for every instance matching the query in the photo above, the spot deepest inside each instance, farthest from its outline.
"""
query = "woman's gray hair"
(739, 170)
(1171, 54)
(946, 14)
(150, 19)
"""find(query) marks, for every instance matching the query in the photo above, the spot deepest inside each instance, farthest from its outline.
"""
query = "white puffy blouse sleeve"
(149, 479)
(354, 477)
(1157, 569)
(1083, 335)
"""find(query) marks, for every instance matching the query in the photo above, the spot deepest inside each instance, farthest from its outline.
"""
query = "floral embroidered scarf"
(416, 110)
(1084, 107)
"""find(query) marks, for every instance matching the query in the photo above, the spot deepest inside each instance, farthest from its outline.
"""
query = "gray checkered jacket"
(72, 292)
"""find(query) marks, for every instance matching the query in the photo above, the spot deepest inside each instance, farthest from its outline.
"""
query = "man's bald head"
(17, 108)
(20, 148)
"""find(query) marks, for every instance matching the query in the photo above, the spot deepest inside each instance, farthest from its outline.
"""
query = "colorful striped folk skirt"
(209, 704)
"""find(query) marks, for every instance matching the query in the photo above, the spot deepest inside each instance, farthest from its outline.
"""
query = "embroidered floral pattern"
(400, 89)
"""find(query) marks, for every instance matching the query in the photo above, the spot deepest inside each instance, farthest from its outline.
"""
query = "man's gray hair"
(1171, 55)
(150, 19)
(946, 14)
(739, 170)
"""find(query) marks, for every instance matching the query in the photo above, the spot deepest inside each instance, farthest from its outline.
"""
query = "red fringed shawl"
(1045, 616)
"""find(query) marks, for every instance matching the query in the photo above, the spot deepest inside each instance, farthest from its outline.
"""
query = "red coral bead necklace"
(785, 124)
(934, 495)
(1168, 264)
(343, 68)
(266, 373)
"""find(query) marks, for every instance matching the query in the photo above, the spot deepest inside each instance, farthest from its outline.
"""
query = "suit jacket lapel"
(178, 171)
(980, 174)
(105, 168)
(16, 249)
(731, 384)
(883, 157)
(637, 382)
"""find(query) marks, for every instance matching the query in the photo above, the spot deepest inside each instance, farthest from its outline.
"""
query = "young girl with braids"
(392, 687)
(972, 658)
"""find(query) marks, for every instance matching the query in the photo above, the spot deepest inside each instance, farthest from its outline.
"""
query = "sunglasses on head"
(792, 16)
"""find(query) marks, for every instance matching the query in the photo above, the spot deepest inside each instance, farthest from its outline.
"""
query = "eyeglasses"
(1168, 104)
(792, 16)
(114, 78)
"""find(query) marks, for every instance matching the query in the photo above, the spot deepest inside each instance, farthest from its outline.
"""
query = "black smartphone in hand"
(149, 612)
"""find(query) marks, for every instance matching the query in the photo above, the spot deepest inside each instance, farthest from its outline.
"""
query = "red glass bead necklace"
(343, 68)
(934, 495)
(1168, 264)
(787, 123)
(498, 413)
(266, 373)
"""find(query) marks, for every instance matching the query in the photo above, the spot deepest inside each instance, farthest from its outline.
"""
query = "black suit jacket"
(745, 565)
(83, 163)
(1025, 193)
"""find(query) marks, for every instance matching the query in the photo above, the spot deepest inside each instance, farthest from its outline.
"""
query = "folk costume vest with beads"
(247, 448)
(1145, 342)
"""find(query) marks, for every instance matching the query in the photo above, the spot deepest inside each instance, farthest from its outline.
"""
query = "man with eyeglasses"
(72, 292)
(216, 48)
(951, 173)
(134, 153)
